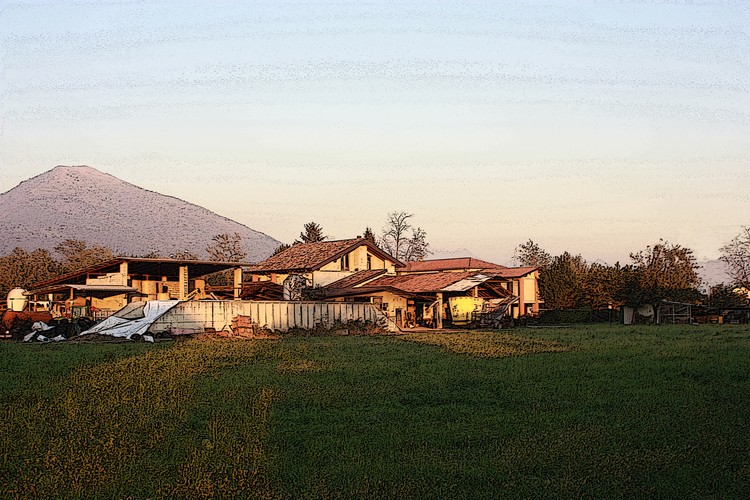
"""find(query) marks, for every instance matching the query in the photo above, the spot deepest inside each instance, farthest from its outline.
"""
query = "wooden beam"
(439, 316)
(237, 283)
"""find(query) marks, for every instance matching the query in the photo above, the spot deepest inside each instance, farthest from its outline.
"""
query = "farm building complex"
(430, 293)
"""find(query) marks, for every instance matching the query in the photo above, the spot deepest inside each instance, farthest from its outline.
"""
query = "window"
(369, 261)
(345, 262)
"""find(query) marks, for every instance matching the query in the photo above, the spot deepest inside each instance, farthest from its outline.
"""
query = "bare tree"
(395, 233)
(226, 248)
(417, 246)
(736, 255)
(397, 241)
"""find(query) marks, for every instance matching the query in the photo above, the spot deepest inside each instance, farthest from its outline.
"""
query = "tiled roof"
(450, 265)
(420, 283)
(355, 279)
(311, 256)
(513, 272)
(365, 290)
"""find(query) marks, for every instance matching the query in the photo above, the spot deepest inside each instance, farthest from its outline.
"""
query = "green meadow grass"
(591, 411)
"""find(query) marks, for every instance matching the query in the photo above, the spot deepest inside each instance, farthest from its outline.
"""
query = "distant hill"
(85, 204)
(713, 272)
(442, 253)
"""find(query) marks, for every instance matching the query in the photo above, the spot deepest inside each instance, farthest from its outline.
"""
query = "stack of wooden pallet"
(243, 326)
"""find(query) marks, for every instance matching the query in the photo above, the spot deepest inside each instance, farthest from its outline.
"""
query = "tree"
(604, 285)
(530, 254)
(226, 248)
(281, 248)
(562, 283)
(722, 295)
(22, 269)
(395, 233)
(663, 272)
(417, 246)
(184, 255)
(736, 255)
(397, 242)
(78, 254)
(313, 233)
(369, 235)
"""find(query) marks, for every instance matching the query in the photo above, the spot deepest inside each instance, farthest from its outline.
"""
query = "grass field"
(591, 411)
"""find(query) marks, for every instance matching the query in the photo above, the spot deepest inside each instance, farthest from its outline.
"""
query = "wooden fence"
(197, 316)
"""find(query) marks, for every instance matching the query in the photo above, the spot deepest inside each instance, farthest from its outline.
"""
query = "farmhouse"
(426, 293)
(321, 263)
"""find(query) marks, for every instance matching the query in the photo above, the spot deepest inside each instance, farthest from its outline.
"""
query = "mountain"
(83, 203)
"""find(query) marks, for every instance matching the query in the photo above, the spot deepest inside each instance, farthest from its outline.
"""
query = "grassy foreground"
(595, 411)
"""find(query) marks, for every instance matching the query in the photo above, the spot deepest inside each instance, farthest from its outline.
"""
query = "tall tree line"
(663, 271)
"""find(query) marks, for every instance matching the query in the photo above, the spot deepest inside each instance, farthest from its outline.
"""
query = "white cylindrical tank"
(17, 300)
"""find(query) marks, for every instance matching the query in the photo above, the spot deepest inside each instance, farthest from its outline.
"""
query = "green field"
(590, 411)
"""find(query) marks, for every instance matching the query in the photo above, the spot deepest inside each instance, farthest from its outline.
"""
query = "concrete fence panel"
(197, 316)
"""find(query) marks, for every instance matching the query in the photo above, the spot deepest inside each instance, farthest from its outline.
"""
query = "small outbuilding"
(101, 289)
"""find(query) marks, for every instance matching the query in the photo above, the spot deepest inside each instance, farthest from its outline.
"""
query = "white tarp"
(466, 283)
(134, 318)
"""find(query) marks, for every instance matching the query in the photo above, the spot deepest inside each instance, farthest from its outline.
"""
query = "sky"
(595, 127)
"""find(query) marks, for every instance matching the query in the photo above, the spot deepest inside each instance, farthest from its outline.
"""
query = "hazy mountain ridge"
(713, 272)
(85, 204)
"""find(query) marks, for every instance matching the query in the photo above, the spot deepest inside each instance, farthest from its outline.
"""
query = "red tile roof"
(355, 279)
(312, 256)
(420, 283)
(513, 272)
(465, 263)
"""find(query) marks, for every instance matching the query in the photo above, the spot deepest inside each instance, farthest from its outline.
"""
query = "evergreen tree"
(281, 248)
(312, 234)
(369, 235)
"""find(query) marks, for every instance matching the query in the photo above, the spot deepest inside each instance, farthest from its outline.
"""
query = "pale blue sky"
(594, 127)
